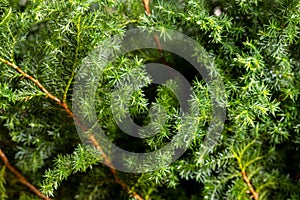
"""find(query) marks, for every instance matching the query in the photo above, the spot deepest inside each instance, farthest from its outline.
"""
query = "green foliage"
(64, 166)
(254, 45)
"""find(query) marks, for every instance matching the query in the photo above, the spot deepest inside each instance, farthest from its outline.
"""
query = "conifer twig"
(251, 188)
(22, 179)
(32, 79)
(70, 113)
(243, 170)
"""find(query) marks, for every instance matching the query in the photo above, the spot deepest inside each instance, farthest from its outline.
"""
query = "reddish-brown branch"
(70, 113)
(112, 169)
(22, 179)
(147, 6)
(32, 79)
(251, 188)
(156, 39)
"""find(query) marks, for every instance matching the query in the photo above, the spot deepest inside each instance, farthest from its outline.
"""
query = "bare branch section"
(22, 179)
(70, 113)
(250, 186)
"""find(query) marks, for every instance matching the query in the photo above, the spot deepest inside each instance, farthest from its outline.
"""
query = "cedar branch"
(70, 113)
(22, 179)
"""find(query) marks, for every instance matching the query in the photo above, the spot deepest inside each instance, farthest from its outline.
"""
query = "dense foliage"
(254, 45)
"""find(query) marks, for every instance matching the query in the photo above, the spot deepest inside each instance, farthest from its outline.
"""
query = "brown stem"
(251, 188)
(147, 8)
(70, 113)
(158, 44)
(32, 79)
(155, 36)
(22, 179)
(113, 170)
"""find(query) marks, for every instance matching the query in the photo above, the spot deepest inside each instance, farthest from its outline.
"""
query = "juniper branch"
(243, 172)
(70, 113)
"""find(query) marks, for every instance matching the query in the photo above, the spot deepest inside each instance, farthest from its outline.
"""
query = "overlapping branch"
(70, 113)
